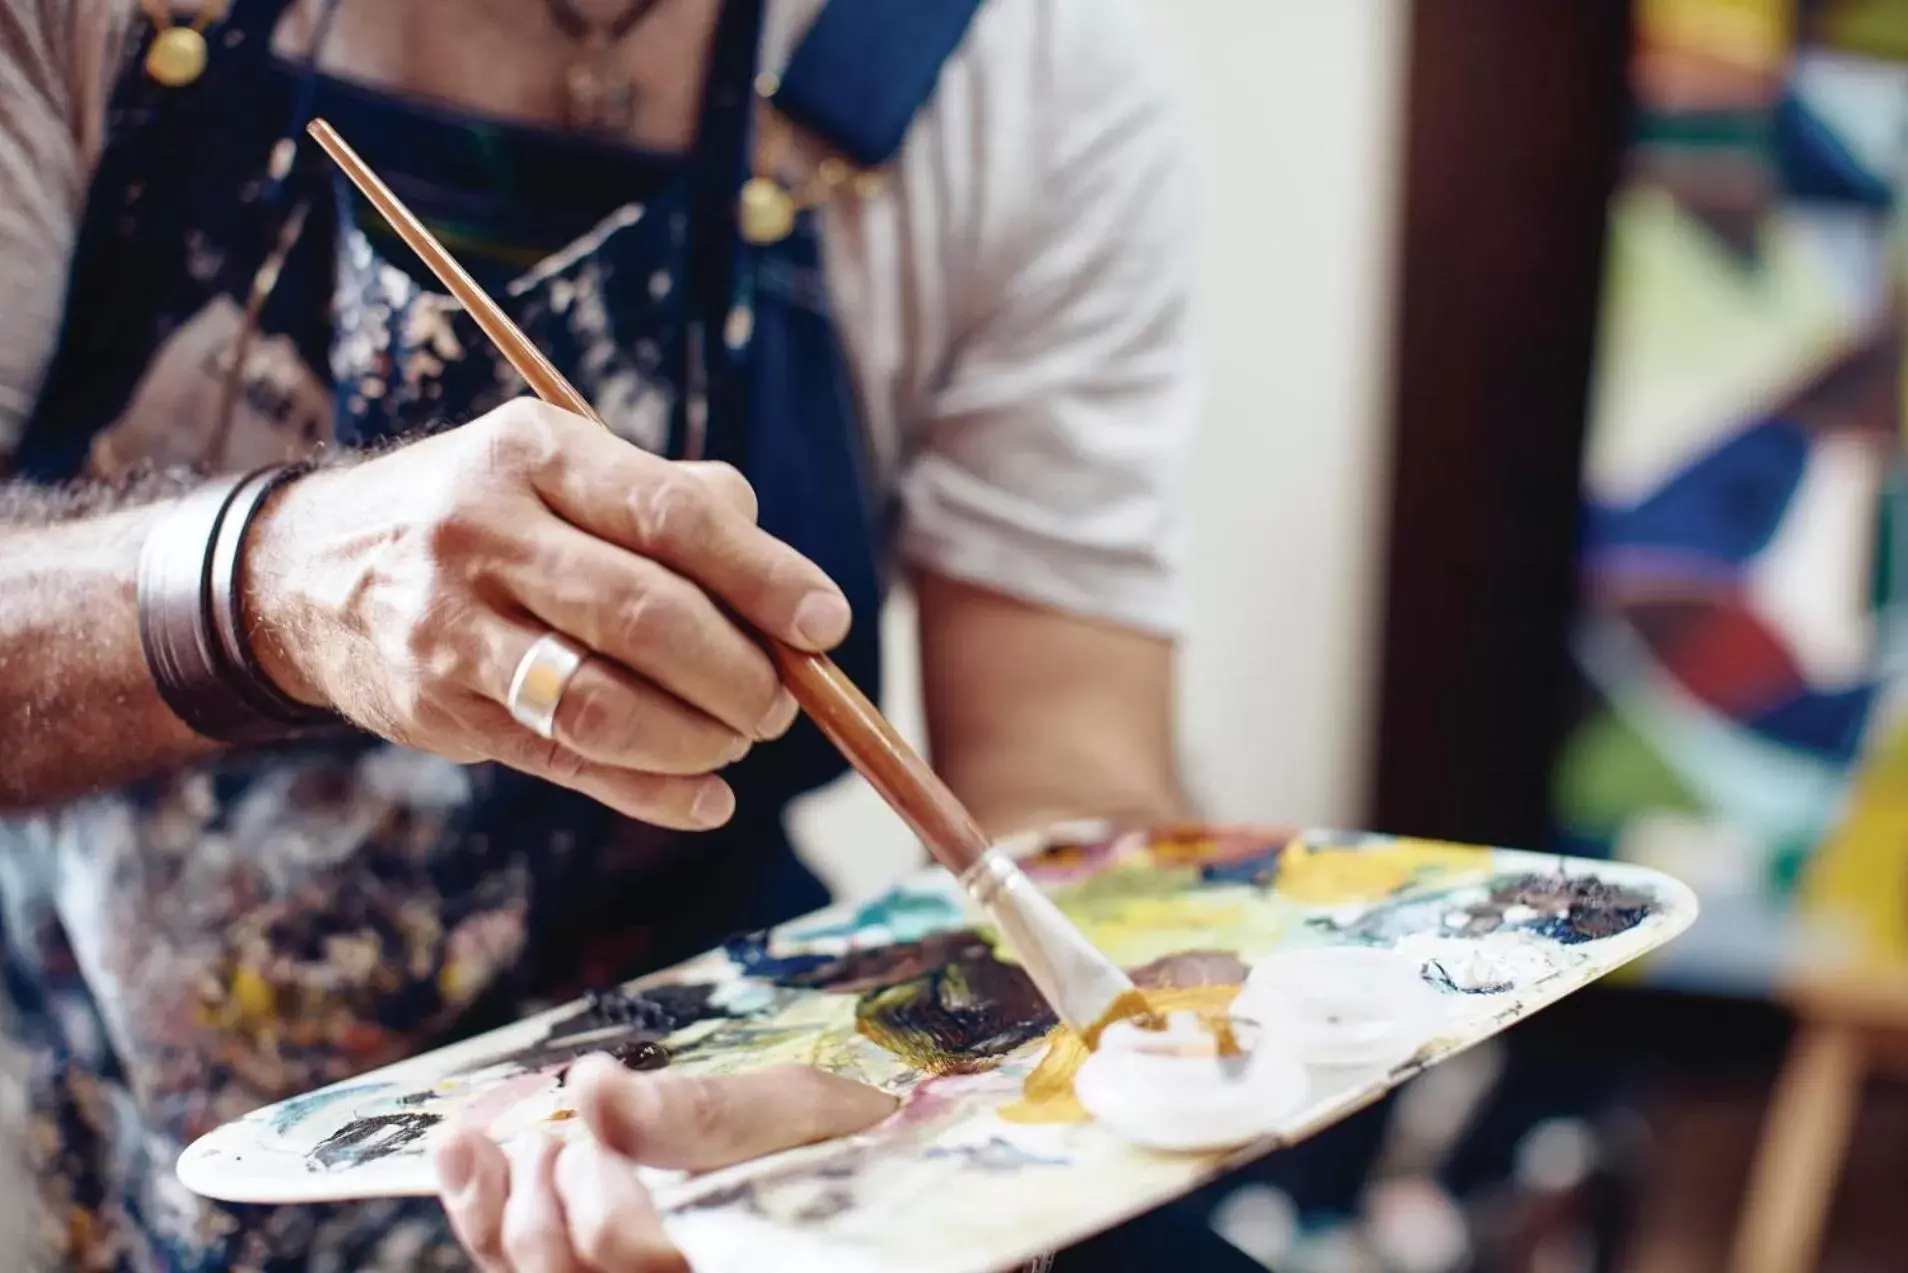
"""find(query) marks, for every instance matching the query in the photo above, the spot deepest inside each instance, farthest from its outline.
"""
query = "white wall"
(1294, 108)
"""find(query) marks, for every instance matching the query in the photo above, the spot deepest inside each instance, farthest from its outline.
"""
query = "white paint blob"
(1171, 1090)
(1496, 963)
(1343, 1006)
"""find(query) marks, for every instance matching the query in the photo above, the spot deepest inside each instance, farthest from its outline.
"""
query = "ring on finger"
(536, 689)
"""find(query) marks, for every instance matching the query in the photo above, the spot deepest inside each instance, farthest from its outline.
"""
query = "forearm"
(1037, 717)
(78, 709)
(1020, 791)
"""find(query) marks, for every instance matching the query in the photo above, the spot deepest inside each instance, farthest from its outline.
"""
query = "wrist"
(273, 614)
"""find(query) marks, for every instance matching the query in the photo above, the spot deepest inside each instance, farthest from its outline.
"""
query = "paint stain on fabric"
(1326, 875)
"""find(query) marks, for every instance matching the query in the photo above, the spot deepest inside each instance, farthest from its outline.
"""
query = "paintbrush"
(1084, 987)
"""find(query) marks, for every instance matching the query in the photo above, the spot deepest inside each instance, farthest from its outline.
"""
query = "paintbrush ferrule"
(1072, 974)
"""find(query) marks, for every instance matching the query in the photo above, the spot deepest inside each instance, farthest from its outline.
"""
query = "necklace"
(178, 53)
(790, 174)
(599, 96)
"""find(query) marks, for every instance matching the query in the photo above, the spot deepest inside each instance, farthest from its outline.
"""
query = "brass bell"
(766, 212)
(177, 57)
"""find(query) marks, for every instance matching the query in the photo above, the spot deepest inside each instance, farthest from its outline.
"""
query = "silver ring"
(544, 672)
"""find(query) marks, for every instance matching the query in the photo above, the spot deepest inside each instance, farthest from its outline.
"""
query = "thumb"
(689, 1123)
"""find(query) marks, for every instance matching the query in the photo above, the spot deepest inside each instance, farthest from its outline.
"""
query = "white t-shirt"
(1014, 302)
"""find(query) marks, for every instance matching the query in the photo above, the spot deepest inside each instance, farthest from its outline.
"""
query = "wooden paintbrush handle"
(894, 769)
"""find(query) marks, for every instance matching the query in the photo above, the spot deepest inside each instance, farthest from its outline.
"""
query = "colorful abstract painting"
(990, 1159)
(1741, 728)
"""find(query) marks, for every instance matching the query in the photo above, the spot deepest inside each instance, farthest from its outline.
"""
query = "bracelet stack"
(191, 625)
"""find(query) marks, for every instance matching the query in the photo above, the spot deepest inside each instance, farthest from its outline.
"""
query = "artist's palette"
(992, 1158)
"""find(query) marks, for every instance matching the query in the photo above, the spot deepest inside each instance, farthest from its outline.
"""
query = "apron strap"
(866, 67)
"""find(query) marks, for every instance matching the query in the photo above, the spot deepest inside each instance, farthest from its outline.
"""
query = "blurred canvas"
(1739, 727)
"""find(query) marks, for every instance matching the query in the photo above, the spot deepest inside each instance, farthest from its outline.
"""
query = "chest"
(526, 61)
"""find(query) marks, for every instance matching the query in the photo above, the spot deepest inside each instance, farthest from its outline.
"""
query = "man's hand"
(403, 592)
(570, 1208)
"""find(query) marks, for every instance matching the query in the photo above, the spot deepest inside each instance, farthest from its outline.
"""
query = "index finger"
(689, 1123)
(675, 514)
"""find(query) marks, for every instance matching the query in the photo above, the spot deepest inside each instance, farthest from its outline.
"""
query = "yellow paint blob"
(1329, 876)
(1047, 1094)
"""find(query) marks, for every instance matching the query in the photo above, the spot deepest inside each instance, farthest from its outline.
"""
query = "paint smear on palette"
(1138, 916)
(295, 1111)
(901, 915)
(1495, 964)
(1567, 910)
(1328, 875)
(1204, 982)
(367, 1140)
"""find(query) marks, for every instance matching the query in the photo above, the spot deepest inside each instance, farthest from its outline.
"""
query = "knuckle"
(735, 488)
(519, 437)
(670, 510)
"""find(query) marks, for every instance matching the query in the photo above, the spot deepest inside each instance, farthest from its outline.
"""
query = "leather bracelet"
(195, 675)
(225, 601)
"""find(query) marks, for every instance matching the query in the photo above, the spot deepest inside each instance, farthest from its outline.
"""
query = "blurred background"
(1550, 494)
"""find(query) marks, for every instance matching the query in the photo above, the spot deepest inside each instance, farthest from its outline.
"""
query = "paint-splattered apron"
(182, 951)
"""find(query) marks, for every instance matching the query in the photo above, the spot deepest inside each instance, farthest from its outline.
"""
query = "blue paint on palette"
(1261, 869)
(751, 954)
(293, 1112)
(901, 914)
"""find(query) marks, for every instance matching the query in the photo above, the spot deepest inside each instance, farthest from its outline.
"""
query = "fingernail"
(779, 717)
(822, 619)
(738, 748)
(714, 803)
(454, 1163)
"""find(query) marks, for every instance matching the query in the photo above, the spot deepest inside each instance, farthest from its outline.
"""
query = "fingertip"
(474, 1186)
(714, 803)
(822, 619)
(611, 1102)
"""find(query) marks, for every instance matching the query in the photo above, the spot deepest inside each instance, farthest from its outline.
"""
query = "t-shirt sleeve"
(49, 49)
(1051, 454)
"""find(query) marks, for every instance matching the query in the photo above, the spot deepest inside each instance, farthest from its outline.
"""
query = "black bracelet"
(225, 604)
(202, 676)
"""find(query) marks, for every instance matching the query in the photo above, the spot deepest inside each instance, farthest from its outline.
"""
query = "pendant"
(766, 212)
(599, 102)
(177, 57)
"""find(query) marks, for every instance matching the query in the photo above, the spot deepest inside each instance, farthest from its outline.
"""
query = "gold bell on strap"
(765, 212)
(177, 56)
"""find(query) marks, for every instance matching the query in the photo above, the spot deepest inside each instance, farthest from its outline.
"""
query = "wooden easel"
(1848, 1029)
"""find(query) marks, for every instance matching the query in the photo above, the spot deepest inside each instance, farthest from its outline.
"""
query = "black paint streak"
(369, 1140)
(658, 1010)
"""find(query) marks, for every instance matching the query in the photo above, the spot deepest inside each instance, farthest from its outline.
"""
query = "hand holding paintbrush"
(1084, 987)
